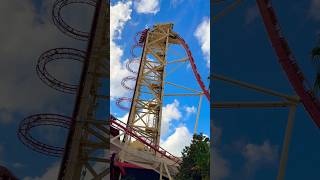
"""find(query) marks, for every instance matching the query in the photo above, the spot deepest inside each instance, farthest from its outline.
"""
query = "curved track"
(129, 68)
(119, 125)
(54, 55)
(25, 135)
(194, 68)
(62, 25)
(122, 99)
(288, 62)
(124, 82)
(139, 43)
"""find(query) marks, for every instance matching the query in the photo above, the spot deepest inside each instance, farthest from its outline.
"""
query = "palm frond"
(315, 54)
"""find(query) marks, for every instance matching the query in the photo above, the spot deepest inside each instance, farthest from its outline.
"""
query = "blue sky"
(179, 113)
(250, 140)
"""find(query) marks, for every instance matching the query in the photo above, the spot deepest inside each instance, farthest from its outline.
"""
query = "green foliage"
(195, 160)
(315, 55)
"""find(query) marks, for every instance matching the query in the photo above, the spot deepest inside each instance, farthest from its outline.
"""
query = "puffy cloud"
(220, 166)
(315, 9)
(260, 153)
(190, 110)
(21, 90)
(124, 118)
(147, 6)
(257, 155)
(120, 14)
(169, 112)
(202, 33)
(176, 142)
(50, 174)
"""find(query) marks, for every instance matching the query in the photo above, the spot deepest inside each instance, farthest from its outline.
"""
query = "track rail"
(288, 62)
(194, 68)
(139, 43)
(37, 120)
(117, 124)
(58, 54)
(62, 25)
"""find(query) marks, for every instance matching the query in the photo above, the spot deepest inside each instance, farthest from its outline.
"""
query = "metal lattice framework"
(140, 145)
(145, 112)
(88, 141)
(151, 76)
(86, 150)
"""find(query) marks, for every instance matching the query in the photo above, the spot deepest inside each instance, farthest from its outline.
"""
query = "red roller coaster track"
(288, 62)
(194, 67)
(119, 125)
(139, 43)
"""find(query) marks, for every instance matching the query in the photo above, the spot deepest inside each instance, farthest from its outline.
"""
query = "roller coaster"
(139, 144)
(87, 147)
(87, 152)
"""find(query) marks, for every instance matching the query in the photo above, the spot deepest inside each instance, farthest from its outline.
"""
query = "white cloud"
(21, 90)
(315, 9)
(174, 3)
(169, 112)
(220, 166)
(257, 155)
(124, 118)
(120, 14)
(50, 174)
(147, 6)
(190, 110)
(176, 142)
(202, 33)
(252, 14)
(263, 153)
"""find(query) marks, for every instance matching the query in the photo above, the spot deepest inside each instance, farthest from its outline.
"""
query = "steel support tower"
(87, 145)
(146, 108)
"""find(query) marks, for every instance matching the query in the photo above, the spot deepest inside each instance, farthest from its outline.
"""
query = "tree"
(195, 160)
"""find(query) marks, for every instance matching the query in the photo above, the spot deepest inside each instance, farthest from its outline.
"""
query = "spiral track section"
(38, 120)
(58, 54)
(62, 25)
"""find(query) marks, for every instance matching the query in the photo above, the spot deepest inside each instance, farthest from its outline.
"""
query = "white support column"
(161, 164)
(285, 147)
(198, 114)
(168, 173)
